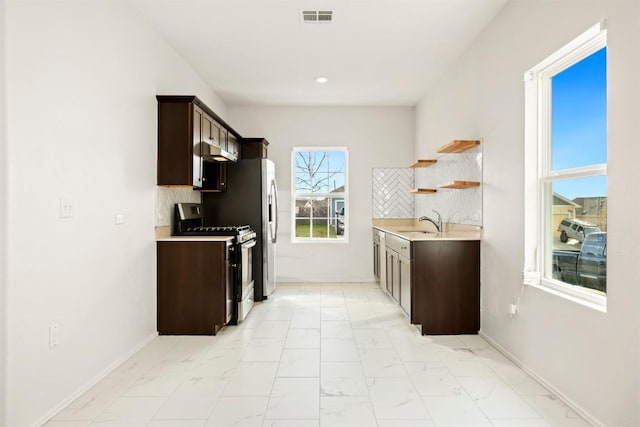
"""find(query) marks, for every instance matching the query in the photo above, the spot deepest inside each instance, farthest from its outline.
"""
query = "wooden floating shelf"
(422, 191)
(461, 184)
(422, 163)
(459, 146)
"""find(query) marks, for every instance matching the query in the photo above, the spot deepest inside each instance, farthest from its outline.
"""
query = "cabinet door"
(405, 284)
(229, 282)
(446, 291)
(395, 289)
(197, 146)
(254, 148)
(390, 263)
(214, 177)
(233, 146)
(223, 139)
(192, 287)
(175, 143)
(376, 261)
(210, 132)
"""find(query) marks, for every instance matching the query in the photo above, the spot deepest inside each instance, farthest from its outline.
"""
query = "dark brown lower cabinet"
(193, 287)
(445, 291)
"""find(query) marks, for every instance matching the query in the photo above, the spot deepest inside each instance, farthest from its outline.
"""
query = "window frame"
(295, 195)
(539, 175)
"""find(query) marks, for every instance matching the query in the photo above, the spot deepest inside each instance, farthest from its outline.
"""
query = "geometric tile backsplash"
(455, 206)
(391, 186)
(391, 198)
(167, 197)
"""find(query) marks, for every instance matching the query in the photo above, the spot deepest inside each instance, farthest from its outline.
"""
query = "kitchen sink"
(417, 231)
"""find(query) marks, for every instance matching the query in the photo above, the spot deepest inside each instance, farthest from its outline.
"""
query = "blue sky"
(331, 173)
(579, 123)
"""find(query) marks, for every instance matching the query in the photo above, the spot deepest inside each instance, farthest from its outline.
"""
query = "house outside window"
(566, 171)
(319, 196)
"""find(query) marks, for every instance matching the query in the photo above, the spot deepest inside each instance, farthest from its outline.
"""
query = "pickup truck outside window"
(586, 267)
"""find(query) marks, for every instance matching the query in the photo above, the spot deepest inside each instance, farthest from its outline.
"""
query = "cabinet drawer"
(401, 246)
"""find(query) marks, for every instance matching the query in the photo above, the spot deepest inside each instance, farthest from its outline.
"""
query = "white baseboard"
(60, 406)
(570, 403)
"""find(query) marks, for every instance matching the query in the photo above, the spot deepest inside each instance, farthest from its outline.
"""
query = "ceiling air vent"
(316, 16)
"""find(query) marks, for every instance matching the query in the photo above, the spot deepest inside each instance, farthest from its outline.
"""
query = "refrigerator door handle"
(273, 211)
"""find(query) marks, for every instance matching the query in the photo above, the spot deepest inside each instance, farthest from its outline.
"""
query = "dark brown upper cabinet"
(254, 148)
(189, 135)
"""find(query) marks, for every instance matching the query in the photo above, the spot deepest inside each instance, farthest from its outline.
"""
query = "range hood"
(213, 153)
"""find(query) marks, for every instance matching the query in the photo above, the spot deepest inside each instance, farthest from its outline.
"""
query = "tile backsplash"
(391, 198)
(391, 187)
(167, 197)
(456, 206)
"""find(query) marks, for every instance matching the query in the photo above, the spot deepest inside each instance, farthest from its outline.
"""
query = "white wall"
(592, 358)
(81, 84)
(375, 137)
(3, 219)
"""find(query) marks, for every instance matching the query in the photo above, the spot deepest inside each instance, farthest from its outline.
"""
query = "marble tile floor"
(319, 355)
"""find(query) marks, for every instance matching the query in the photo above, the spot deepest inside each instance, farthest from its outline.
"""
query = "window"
(566, 171)
(319, 202)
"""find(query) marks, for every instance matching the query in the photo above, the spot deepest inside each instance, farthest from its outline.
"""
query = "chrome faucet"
(437, 222)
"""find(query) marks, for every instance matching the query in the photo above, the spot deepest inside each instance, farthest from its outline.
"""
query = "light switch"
(119, 219)
(66, 207)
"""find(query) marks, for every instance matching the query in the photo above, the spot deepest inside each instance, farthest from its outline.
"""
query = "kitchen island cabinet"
(195, 295)
(436, 281)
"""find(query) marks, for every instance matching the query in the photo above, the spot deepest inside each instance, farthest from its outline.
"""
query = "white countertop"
(424, 231)
(163, 234)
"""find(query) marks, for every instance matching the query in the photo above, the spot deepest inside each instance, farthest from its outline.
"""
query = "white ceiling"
(375, 52)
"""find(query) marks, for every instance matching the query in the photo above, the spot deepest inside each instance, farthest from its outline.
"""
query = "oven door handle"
(248, 245)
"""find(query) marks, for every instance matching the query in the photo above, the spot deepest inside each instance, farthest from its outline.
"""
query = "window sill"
(572, 293)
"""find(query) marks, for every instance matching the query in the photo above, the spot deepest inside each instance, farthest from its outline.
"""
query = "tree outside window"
(319, 196)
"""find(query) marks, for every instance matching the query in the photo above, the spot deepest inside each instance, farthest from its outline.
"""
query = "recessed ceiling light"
(321, 79)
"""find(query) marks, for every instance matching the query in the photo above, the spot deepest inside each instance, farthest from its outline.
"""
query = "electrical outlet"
(66, 207)
(53, 336)
(513, 310)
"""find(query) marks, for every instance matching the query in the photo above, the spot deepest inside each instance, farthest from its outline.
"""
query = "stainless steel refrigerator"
(251, 198)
